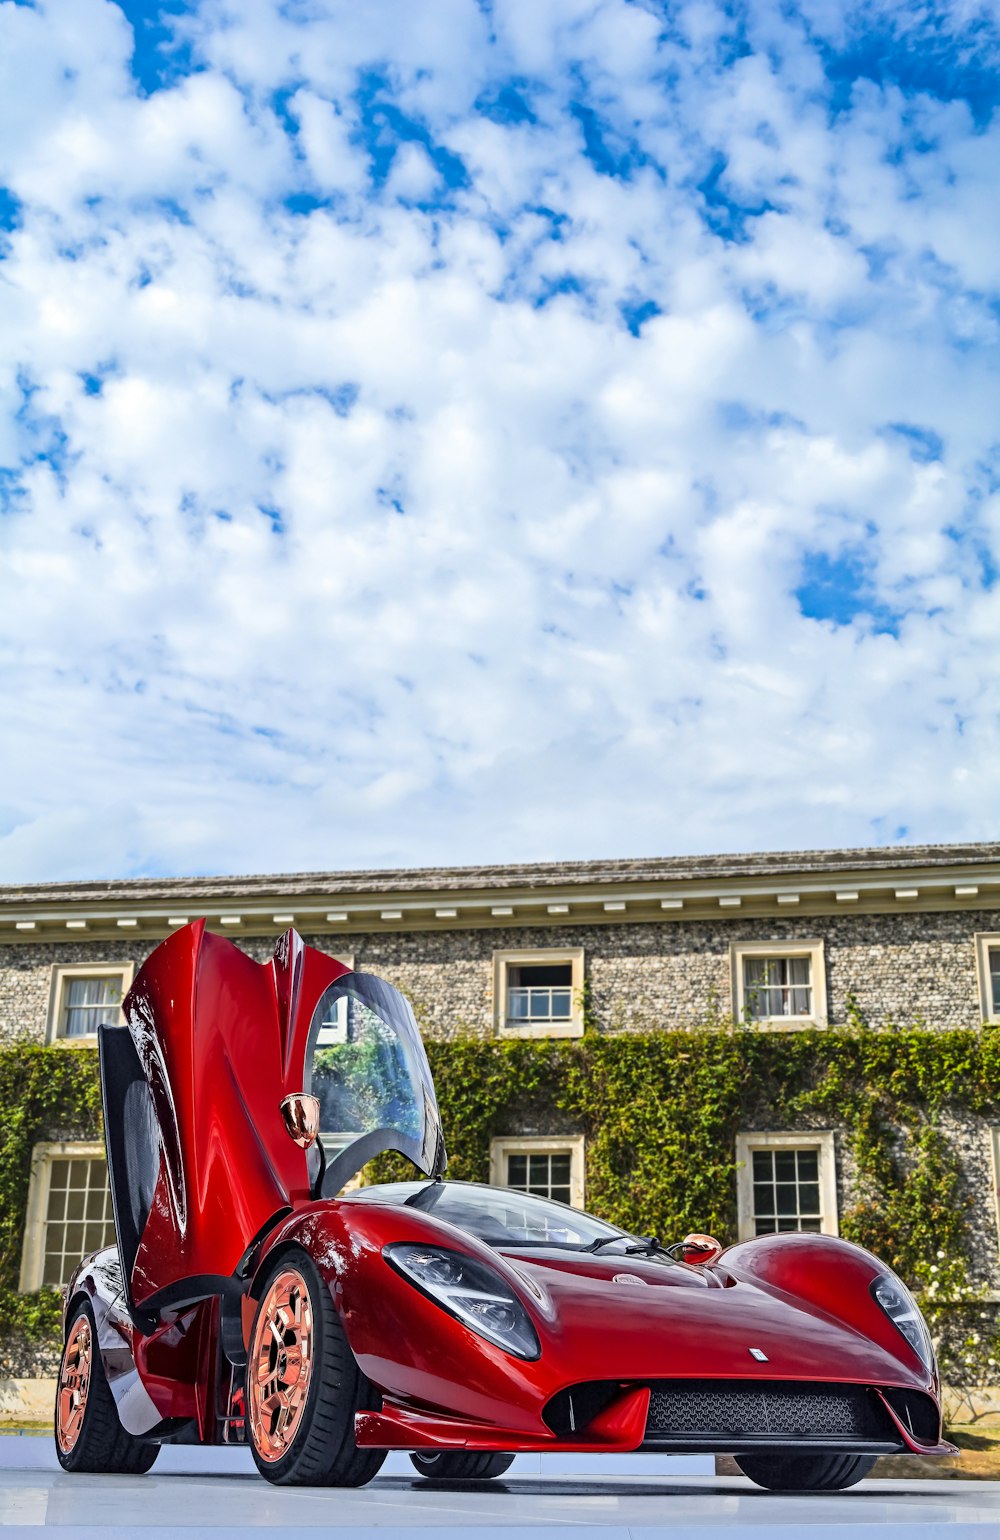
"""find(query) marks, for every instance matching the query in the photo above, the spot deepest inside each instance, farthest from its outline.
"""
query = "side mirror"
(699, 1249)
(300, 1112)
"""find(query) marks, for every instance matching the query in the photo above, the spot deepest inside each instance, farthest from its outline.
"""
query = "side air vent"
(917, 1413)
(570, 1412)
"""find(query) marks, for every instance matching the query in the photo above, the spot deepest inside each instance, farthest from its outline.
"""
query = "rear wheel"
(461, 1465)
(303, 1384)
(89, 1436)
(805, 1472)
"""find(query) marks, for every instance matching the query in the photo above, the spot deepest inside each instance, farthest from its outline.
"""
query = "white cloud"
(348, 522)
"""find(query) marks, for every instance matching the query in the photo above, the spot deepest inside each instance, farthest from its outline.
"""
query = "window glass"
(777, 986)
(994, 957)
(367, 1067)
(786, 1190)
(539, 993)
(87, 1002)
(78, 1215)
(545, 1175)
(361, 1075)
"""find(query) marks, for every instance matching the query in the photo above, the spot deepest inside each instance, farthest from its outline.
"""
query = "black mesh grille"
(766, 1409)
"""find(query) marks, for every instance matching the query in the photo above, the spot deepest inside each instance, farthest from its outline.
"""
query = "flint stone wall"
(900, 968)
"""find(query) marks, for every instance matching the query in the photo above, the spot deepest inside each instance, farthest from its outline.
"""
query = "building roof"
(552, 893)
(528, 875)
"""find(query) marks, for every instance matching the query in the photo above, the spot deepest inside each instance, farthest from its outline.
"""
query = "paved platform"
(195, 1492)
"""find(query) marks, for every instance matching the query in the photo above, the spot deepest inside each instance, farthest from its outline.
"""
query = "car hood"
(679, 1321)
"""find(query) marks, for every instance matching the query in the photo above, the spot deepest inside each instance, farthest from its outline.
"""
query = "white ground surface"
(194, 1492)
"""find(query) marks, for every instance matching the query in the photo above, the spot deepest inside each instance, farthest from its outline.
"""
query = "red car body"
(635, 1349)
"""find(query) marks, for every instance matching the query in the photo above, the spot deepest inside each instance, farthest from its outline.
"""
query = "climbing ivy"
(45, 1093)
(660, 1111)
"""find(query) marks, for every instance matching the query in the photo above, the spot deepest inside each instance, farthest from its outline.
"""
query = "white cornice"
(730, 899)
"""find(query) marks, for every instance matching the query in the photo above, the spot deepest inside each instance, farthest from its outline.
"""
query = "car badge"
(759, 1354)
(628, 1278)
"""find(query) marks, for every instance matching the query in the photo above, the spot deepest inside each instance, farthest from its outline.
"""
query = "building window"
(69, 1212)
(786, 1182)
(546, 1167)
(988, 969)
(84, 997)
(539, 993)
(779, 984)
(786, 1190)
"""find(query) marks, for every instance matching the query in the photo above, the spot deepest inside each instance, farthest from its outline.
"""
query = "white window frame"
(62, 974)
(339, 1033)
(42, 1157)
(535, 957)
(573, 1145)
(994, 1135)
(986, 942)
(813, 949)
(808, 1139)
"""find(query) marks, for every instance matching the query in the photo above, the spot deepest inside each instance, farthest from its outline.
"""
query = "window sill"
(784, 1023)
(543, 1029)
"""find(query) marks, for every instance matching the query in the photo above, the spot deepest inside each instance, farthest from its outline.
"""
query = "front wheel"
(461, 1465)
(303, 1384)
(805, 1472)
(89, 1436)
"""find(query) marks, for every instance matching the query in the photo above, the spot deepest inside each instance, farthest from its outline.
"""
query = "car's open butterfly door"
(199, 1154)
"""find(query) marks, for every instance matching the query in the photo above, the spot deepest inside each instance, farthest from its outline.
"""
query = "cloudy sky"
(458, 431)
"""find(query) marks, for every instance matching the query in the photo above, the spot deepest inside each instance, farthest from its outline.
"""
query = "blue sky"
(494, 431)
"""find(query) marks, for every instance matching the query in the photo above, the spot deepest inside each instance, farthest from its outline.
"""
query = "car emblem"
(628, 1278)
(759, 1354)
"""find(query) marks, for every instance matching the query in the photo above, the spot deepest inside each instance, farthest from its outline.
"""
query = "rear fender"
(98, 1279)
(159, 1381)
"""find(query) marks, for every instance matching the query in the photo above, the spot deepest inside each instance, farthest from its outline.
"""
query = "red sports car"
(254, 1298)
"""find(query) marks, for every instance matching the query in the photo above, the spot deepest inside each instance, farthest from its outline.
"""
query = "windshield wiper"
(426, 1196)
(642, 1245)
(646, 1246)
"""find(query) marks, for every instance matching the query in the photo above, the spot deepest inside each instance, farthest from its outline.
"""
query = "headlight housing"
(904, 1313)
(470, 1291)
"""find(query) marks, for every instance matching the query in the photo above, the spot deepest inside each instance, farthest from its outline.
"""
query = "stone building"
(778, 942)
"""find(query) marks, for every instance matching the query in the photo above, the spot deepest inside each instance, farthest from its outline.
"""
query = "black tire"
(100, 1445)
(805, 1472)
(322, 1451)
(460, 1465)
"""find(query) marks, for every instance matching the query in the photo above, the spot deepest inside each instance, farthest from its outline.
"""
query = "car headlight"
(904, 1313)
(469, 1290)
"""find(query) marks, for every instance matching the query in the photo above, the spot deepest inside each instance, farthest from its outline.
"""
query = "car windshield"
(498, 1215)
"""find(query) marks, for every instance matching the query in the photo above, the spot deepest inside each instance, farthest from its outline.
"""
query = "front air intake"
(741, 1414)
(766, 1409)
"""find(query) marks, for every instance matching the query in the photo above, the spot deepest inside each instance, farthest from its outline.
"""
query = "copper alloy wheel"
(74, 1384)
(281, 1365)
